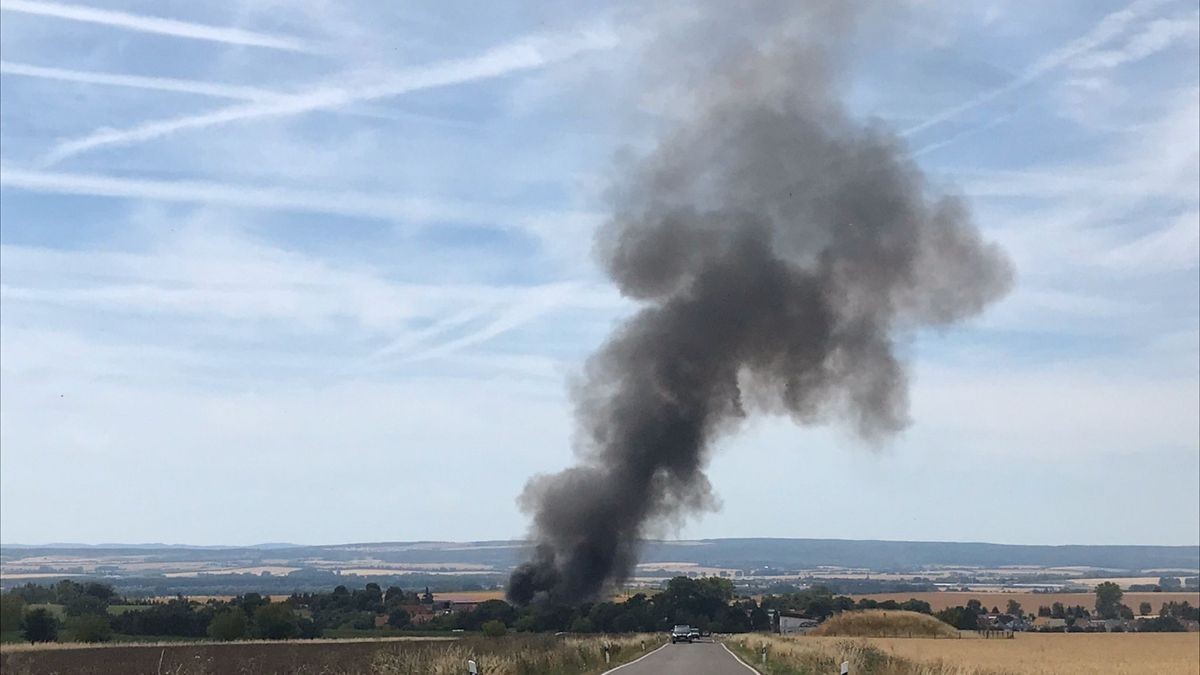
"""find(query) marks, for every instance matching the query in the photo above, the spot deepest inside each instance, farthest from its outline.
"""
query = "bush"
(276, 621)
(40, 626)
(226, 626)
(398, 618)
(12, 606)
(90, 628)
(1161, 624)
(495, 628)
(176, 617)
(86, 604)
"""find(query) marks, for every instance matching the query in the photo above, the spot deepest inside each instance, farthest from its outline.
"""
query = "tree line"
(93, 612)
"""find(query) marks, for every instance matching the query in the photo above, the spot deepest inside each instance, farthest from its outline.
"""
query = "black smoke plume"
(781, 250)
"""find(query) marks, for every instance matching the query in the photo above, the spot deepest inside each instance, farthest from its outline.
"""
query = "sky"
(320, 272)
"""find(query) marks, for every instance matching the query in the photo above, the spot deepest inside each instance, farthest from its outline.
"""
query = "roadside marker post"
(845, 668)
(472, 669)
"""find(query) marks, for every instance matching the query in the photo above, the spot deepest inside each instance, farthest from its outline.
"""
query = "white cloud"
(1090, 408)
(276, 444)
(352, 204)
(516, 56)
(153, 24)
(202, 274)
(138, 82)
(1109, 27)
(1159, 159)
(1175, 247)
(1155, 36)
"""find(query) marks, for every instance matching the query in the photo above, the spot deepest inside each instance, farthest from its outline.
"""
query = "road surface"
(697, 658)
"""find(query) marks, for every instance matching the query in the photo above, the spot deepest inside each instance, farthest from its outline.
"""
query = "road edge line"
(739, 660)
(635, 660)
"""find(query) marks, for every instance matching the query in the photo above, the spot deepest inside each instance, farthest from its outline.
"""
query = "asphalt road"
(697, 658)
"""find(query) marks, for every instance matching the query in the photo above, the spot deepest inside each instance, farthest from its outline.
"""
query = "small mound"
(884, 623)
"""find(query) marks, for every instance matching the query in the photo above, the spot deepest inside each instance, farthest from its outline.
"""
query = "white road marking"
(634, 661)
(739, 660)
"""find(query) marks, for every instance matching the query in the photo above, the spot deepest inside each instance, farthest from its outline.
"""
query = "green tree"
(66, 590)
(12, 606)
(398, 618)
(89, 605)
(250, 602)
(582, 625)
(489, 610)
(98, 590)
(90, 628)
(40, 626)
(1145, 608)
(496, 628)
(969, 619)
(275, 621)
(759, 619)
(228, 625)
(1161, 624)
(394, 596)
(1014, 608)
(1108, 600)
(1170, 583)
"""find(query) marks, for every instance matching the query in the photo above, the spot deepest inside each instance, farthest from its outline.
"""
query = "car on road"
(681, 633)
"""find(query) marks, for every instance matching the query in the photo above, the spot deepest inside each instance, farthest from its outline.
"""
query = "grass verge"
(798, 656)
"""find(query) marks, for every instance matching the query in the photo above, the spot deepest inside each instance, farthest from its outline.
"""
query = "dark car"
(681, 633)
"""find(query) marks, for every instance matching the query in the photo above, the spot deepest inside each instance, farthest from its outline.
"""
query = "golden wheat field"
(1048, 653)
(939, 600)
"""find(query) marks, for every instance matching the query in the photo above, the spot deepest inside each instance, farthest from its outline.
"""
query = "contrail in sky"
(153, 24)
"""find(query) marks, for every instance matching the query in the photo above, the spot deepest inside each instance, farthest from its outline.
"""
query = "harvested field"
(469, 596)
(311, 656)
(512, 655)
(1029, 601)
(277, 570)
(386, 571)
(1055, 653)
(1123, 582)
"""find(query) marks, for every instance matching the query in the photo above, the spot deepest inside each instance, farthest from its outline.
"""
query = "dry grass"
(1027, 654)
(540, 655)
(885, 623)
(511, 655)
(54, 646)
(939, 600)
(805, 656)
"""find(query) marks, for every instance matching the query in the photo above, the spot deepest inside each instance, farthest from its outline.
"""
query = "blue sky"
(319, 271)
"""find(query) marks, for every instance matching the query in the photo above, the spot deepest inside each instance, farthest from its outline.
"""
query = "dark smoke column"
(781, 250)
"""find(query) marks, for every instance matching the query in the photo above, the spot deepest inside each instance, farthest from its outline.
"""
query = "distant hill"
(736, 553)
(907, 555)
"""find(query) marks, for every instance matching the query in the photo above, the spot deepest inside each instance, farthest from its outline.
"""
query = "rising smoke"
(780, 250)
